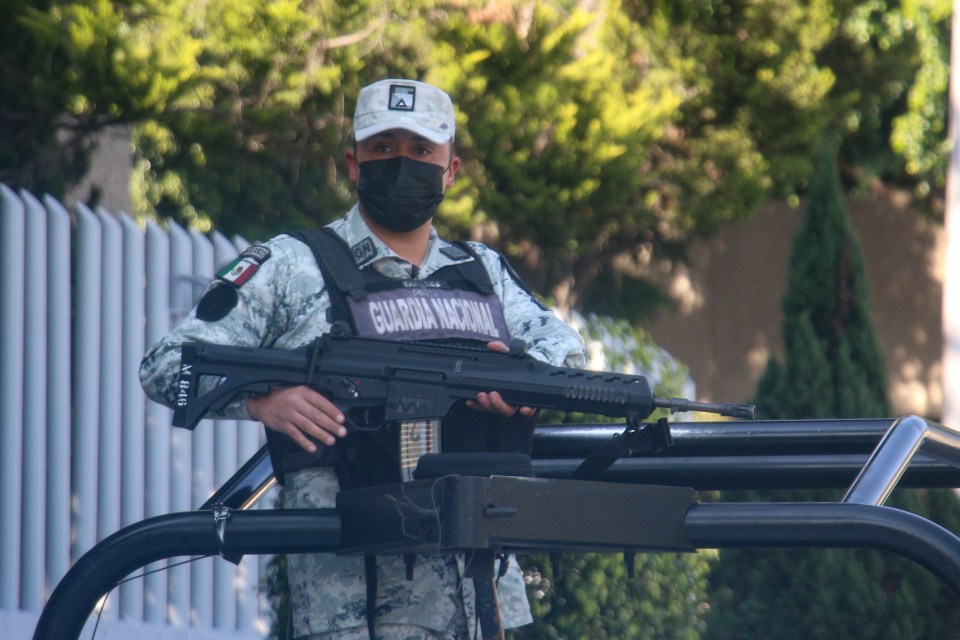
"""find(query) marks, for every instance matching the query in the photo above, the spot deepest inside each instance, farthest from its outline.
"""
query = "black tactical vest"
(456, 304)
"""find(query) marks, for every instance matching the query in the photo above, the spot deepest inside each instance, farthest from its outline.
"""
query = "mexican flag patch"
(238, 271)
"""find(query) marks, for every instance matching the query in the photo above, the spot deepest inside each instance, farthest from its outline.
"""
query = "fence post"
(59, 405)
(12, 230)
(158, 438)
(132, 451)
(33, 525)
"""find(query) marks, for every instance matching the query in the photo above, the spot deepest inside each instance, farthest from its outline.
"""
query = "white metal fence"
(83, 453)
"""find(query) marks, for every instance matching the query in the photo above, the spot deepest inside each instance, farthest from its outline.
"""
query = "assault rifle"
(377, 381)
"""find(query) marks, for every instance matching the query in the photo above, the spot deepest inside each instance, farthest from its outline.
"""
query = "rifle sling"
(636, 438)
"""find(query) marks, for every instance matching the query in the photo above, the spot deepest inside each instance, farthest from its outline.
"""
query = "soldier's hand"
(492, 401)
(296, 411)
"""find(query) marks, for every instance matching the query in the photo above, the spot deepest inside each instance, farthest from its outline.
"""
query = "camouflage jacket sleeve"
(547, 337)
(281, 305)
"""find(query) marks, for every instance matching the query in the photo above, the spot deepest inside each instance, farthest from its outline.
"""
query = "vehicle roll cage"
(869, 457)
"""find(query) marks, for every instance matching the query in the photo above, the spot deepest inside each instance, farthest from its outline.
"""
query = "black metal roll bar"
(775, 454)
(707, 526)
(874, 454)
(222, 531)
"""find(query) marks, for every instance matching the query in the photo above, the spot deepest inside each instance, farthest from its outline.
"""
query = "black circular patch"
(217, 302)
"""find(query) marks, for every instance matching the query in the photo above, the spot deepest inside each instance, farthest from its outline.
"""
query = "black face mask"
(400, 194)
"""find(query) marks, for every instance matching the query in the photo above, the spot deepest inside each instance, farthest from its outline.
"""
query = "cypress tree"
(832, 368)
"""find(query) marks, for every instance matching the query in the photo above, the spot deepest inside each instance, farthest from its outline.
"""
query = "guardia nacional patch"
(257, 252)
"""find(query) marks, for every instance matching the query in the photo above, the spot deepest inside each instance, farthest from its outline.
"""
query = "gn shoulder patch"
(217, 302)
(363, 252)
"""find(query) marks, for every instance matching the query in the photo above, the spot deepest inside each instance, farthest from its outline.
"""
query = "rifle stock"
(376, 381)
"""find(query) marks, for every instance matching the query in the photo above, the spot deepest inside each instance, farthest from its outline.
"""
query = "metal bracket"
(221, 514)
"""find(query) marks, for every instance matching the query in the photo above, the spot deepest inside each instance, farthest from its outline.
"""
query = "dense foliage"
(832, 368)
(596, 136)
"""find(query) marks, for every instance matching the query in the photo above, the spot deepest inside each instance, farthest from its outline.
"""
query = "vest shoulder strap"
(340, 275)
(334, 259)
(337, 265)
(473, 271)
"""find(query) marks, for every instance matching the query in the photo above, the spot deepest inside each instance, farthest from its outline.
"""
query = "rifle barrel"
(730, 409)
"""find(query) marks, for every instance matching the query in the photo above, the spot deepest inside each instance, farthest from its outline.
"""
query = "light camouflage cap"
(404, 104)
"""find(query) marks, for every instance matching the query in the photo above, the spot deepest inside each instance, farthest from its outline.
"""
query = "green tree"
(596, 135)
(237, 106)
(32, 155)
(786, 72)
(832, 368)
(594, 598)
(573, 143)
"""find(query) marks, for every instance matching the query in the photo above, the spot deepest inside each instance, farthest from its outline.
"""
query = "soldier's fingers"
(299, 412)
(497, 345)
(320, 403)
(315, 415)
(498, 405)
(493, 403)
(481, 403)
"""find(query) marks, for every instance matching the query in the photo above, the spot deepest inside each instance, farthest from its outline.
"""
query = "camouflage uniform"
(283, 305)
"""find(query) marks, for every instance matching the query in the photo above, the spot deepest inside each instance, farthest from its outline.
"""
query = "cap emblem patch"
(402, 97)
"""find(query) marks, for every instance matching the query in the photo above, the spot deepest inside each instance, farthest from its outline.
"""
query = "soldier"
(406, 283)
